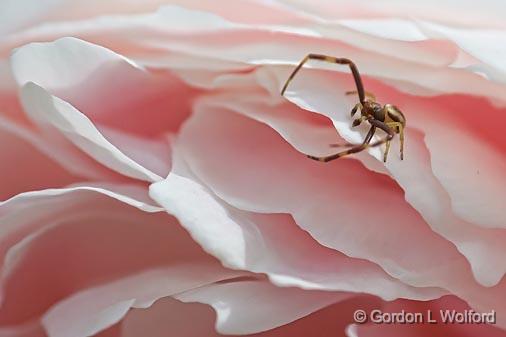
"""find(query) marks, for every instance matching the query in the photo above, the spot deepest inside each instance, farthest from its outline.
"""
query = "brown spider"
(383, 117)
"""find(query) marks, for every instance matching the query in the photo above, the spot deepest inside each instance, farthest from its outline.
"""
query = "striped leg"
(367, 138)
(385, 155)
(330, 59)
(356, 108)
(400, 129)
(375, 124)
(368, 94)
(355, 149)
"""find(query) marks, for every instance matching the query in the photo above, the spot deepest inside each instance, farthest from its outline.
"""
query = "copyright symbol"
(359, 316)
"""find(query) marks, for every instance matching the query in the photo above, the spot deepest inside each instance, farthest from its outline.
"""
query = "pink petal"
(57, 115)
(92, 310)
(26, 13)
(306, 188)
(83, 86)
(30, 329)
(84, 225)
(244, 240)
(179, 319)
(428, 10)
(267, 306)
(24, 166)
(301, 180)
(448, 205)
(80, 72)
(275, 44)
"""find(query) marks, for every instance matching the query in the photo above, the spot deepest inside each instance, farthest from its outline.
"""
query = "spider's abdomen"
(394, 114)
(379, 113)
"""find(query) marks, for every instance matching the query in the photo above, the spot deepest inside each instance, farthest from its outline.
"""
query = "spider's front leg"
(356, 108)
(367, 94)
(330, 59)
(353, 149)
(358, 121)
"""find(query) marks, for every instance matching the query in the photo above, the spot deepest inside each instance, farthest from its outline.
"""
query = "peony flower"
(155, 182)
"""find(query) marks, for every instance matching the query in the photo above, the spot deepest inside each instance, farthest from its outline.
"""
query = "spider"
(387, 118)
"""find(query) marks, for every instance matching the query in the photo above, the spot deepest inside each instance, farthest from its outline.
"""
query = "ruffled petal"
(61, 117)
(245, 240)
(82, 237)
(90, 311)
(439, 194)
(25, 166)
(267, 306)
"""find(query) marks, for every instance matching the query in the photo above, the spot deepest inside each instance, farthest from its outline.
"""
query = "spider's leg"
(358, 121)
(367, 94)
(369, 135)
(354, 149)
(331, 59)
(385, 155)
(367, 138)
(355, 109)
(400, 128)
(381, 125)
(375, 123)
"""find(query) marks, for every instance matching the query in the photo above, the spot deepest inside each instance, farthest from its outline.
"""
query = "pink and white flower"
(151, 170)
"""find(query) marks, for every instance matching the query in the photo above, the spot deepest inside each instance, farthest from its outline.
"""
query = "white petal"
(77, 128)
(433, 10)
(448, 206)
(243, 240)
(488, 46)
(110, 240)
(418, 63)
(267, 306)
(63, 63)
(286, 182)
(193, 206)
(90, 311)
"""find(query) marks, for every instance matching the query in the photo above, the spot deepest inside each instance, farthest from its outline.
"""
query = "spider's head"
(371, 107)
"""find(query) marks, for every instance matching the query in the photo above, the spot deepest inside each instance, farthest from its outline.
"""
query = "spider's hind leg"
(385, 155)
(400, 129)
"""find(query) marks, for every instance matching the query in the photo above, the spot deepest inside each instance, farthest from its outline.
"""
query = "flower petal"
(53, 112)
(24, 166)
(268, 306)
(244, 240)
(79, 72)
(287, 182)
(447, 205)
(179, 318)
(85, 225)
(90, 311)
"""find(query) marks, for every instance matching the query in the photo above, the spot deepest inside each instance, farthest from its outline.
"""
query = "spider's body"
(388, 117)
(388, 113)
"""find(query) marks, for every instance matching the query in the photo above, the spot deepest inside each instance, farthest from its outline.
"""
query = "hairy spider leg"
(385, 155)
(369, 135)
(367, 94)
(356, 108)
(400, 128)
(367, 139)
(375, 123)
(330, 59)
